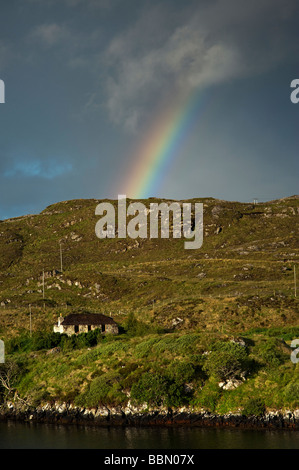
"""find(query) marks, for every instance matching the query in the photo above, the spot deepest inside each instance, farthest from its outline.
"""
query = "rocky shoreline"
(64, 413)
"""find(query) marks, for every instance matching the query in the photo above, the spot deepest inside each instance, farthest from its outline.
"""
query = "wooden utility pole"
(43, 283)
(60, 257)
(295, 286)
(30, 321)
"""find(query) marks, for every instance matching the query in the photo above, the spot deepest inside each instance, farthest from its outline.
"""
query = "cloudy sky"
(86, 79)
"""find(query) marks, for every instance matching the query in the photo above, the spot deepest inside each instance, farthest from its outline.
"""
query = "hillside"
(175, 305)
(241, 277)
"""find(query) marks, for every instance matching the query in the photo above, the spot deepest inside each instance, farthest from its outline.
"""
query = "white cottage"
(76, 323)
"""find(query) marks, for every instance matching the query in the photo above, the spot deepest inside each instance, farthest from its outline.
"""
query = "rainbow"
(162, 144)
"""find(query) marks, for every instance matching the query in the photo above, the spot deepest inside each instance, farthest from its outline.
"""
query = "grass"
(239, 284)
(105, 373)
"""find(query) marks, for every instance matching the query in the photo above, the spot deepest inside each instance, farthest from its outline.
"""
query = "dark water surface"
(17, 435)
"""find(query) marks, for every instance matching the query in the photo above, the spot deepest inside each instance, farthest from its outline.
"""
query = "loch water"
(24, 435)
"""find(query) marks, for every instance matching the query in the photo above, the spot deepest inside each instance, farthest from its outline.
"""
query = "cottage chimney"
(60, 320)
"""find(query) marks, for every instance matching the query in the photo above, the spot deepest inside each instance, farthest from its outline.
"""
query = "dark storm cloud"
(83, 77)
(213, 43)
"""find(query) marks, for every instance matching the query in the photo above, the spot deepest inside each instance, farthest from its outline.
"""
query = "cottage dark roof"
(88, 319)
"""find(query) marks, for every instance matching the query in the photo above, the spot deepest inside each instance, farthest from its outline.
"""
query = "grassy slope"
(240, 283)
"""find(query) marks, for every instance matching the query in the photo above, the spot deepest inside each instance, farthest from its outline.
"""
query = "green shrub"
(128, 369)
(80, 341)
(254, 407)
(151, 389)
(270, 354)
(131, 379)
(291, 393)
(227, 360)
(98, 391)
(67, 343)
(20, 343)
(35, 342)
(181, 372)
(208, 397)
(103, 390)
(47, 340)
(155, 389)
(177, 395)
(44, 340)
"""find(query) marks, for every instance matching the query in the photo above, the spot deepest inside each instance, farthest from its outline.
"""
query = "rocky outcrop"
(66, 413)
